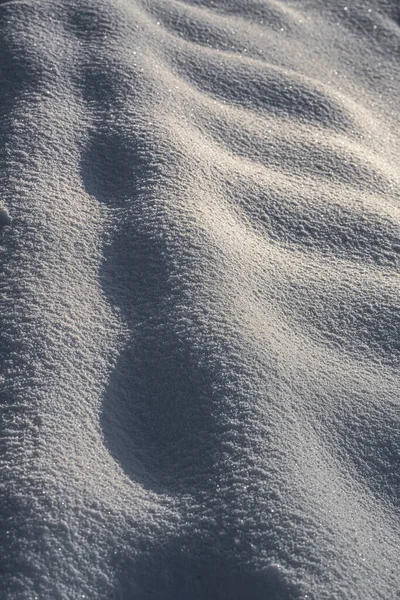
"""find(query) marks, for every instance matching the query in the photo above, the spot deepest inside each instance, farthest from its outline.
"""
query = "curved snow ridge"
(199, 303)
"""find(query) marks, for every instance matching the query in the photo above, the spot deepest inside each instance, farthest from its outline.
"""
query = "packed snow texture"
(200, 324)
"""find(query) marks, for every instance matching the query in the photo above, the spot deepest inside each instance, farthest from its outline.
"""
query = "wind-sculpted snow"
(200, 316)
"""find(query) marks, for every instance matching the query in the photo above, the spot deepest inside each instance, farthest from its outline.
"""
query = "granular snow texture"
(200, 322)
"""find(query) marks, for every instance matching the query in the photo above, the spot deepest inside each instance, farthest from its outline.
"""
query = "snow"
(200, 239)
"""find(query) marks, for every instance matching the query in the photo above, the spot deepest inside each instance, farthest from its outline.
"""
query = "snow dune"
(200, 234)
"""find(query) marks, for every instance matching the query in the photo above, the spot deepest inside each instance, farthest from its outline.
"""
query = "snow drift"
(199, 299)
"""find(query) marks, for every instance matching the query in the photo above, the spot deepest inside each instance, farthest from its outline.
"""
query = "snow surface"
(200, 324)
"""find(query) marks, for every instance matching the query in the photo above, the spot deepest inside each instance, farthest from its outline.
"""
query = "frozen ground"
(200, 324)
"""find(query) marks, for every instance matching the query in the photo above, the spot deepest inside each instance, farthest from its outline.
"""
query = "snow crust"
(199, 232)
